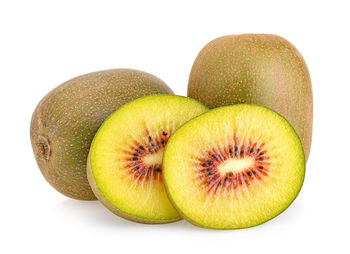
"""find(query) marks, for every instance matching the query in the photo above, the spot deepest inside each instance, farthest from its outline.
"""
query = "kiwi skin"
(263, 69)
(67, 118)
(115, 210)
(199, 225)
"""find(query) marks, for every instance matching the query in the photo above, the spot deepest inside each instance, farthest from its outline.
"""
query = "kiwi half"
(234, 167)
(125, 161)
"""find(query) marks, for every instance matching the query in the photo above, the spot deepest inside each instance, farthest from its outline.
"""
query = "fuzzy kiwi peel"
(67, 118)
(262, 69)
(260, 195)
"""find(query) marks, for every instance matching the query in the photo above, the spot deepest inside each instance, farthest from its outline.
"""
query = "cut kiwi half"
(125, 160)
(233, 167)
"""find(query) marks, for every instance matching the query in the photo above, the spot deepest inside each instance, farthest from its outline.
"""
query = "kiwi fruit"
(262, 69)
(66, 120)
(125, 161)
(233, 167)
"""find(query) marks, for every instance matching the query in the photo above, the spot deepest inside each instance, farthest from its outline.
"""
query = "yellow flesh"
(144, 199)
(246, 206)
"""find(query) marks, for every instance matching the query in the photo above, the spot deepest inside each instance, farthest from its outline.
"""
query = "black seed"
(236, 148)
(149, 138)
(158, 144)
(137, 150)
(157, 169)
(209, 169)
(230, 150)
(210, 173)
(134, 159)
(252, 150)
(164, 133)
(209, 162)
(225, 179)
(162, 141)
(230, 174)
(261, 158)
(135, 154)
(249, 173)
(153, 145)
(141, 147)
(262, 153)
(143, 172)
(204, 165)
(214, 156)
(261, 167)
(254, 172)
(242, 152)
(258, 150)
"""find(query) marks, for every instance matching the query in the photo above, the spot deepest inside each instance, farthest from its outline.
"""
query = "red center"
(138, 150)
(213, 181)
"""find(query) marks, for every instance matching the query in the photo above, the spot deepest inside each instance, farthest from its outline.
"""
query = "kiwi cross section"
(125, 161)
(233, 167)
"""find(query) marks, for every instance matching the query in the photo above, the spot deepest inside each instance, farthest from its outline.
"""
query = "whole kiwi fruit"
(66, 119)
(262, 69)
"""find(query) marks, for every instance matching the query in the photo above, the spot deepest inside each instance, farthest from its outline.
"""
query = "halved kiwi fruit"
(234, 167)
(125, 161)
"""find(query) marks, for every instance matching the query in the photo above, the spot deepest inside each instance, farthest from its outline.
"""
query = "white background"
(44, 43)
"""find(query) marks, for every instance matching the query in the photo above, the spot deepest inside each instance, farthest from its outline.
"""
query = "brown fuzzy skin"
(115, 210)
(262, 69)
(66, 120)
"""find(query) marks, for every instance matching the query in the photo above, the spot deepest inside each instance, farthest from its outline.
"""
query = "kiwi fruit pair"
(163, 157)
(232, 167)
